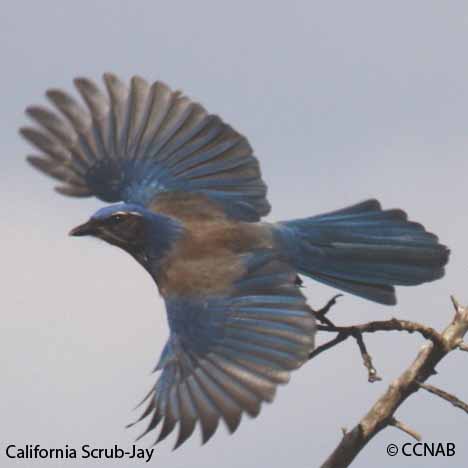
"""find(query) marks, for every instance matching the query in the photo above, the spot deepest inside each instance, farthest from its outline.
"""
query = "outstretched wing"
(137, 143)
(226, 355)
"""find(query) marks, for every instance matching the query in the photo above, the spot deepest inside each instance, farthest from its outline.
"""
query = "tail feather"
(364, 250)
(381, 293)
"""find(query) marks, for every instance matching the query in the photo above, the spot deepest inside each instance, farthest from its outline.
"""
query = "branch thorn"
(403, 427)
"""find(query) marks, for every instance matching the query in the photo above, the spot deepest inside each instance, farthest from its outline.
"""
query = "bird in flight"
(186, 199)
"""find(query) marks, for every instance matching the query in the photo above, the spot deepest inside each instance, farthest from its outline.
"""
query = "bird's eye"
(117, 218)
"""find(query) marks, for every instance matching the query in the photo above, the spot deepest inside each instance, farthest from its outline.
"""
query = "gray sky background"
(342, 101)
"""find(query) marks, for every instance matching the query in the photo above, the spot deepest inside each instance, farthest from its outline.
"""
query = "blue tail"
(363, 250)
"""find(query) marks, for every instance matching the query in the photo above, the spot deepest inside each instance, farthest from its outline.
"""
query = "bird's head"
(132, 228)
(121, 225)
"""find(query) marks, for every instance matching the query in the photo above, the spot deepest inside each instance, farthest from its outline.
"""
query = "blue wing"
(135, 144)
(226, 355)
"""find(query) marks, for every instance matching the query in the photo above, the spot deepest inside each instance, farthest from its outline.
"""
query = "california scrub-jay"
(187, 198)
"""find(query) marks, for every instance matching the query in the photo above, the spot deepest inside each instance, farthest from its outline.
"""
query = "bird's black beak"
(86, 229)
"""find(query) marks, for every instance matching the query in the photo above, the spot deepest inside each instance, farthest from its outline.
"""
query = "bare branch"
(329, 344)
(445, 395)
(372, 375)
(423, 366)
(388, 325)
(320, 314)
(366, 358)
(357, 331)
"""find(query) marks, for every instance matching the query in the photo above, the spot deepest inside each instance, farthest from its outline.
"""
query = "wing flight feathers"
(134, 143)
(226, 355)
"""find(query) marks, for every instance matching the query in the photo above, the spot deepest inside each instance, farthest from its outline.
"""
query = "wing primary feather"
(216, 168)
(99, 107)
(188, 414)
(170, 417)
(161, 103)
(146, 397)
(73, 191)
(234, 386)
(79, 119)
(206, 153)
(97, 102)
(207, 411)
(155, 420)
(149, 408)
(174, 119)
(139, 90)
(45, 144)
(195, 123)
(69, 107)
(274, 329)
(207, 134)
(285, 359)
(261, 366)
(53, 124)
(57, 171)
(260, 387)
(118, 95)
(228, 408)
